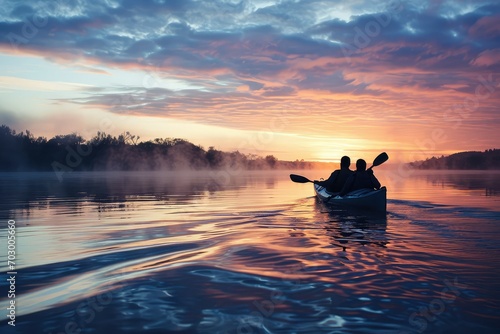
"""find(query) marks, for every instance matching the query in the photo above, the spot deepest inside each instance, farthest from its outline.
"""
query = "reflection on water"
(364, 228)
(38, 190)
(251, 253)
(459, 188)
(488, 183)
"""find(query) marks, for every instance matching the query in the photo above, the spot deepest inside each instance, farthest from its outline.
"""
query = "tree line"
(24, 152)
(472, 160)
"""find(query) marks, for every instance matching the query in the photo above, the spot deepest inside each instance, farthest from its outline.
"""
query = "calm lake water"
(254, 253)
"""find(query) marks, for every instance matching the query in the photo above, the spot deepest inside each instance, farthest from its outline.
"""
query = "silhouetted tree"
(489, 159)
(62, 153)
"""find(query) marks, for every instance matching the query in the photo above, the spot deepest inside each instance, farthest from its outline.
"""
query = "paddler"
(338, 178)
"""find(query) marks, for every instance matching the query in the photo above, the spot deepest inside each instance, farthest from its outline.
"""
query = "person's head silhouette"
(345, 162)
(361, 165)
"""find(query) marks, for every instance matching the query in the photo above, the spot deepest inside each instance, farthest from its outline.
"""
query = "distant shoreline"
(470, 160)
(23, 152)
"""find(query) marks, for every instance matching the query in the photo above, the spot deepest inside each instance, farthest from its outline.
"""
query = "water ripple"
(234, 261)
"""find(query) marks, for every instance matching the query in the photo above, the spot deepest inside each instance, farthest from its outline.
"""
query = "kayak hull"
(366, 199)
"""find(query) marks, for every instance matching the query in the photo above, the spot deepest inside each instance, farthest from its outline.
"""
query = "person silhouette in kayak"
(338, 178)
(360, 179)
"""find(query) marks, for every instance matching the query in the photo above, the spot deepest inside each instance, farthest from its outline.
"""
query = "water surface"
(250, 253)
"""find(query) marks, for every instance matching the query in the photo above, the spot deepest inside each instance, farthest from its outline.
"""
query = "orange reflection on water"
(456, 188)
(261, 230)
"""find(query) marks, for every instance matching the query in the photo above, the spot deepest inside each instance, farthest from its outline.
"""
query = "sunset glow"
(309, 80)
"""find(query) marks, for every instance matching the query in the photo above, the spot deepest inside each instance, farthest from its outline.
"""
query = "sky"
(299, 79)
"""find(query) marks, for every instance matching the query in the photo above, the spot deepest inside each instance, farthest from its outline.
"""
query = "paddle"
(380, 159)
(299, 178)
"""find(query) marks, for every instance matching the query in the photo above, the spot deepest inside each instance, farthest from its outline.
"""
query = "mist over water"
(250, 252)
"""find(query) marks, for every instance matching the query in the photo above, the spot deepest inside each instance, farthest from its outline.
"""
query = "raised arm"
(375, 181)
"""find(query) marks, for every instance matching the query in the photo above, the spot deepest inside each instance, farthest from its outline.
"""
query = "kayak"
(368, 199)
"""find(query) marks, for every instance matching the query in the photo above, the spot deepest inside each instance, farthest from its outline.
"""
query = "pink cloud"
(486, 27)
(487, 58)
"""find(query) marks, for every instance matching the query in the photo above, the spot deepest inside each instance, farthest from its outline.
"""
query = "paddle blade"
(299, 178)
(380, 159)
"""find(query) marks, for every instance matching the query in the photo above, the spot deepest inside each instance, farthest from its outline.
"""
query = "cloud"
(487, 58)
(235, 58)
(487, 28)
(243, 38)
(13, 83)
